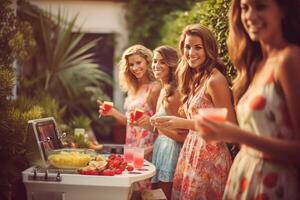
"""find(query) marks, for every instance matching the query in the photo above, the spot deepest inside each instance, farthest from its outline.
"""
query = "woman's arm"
(144, 122)
(171, 108)
(173, 122)
(152, 98)
(282, 150)
(220, 94)
(174, 134)
(153, 95)
(288, 75)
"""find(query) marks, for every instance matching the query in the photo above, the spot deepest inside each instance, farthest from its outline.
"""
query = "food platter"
(68, 158)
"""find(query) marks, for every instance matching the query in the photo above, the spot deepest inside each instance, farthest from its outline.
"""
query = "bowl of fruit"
(112, 165)
(70, 158)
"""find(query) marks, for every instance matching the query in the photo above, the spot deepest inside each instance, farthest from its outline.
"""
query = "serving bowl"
(70, 158)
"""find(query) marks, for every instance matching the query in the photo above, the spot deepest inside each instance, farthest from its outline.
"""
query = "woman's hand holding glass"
(164, 122)
(144, 122)
(215, 128)
(105, 108)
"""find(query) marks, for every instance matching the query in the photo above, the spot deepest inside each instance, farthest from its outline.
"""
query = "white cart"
(54, 184)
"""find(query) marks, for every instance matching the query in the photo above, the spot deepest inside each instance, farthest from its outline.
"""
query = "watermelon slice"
(131, 116)
(107, 106)
(136, 114)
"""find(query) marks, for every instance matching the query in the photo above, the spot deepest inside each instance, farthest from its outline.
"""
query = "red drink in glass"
(138, 162)
(128, 153)
(138, 158)
(128, 156)
(214, 114)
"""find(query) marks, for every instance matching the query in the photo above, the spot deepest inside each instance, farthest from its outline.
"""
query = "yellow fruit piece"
(69, 159)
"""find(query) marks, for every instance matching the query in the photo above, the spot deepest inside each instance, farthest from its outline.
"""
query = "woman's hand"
(216, 131)
(148, 150)
(166, 122)
(103, 112)
(144, 122)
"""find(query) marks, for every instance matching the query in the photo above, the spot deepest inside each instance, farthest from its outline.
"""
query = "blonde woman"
(137, 79)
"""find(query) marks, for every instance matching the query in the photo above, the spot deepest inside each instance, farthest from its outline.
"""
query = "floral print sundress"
(202, 167)
(254, 175)
(137, 136)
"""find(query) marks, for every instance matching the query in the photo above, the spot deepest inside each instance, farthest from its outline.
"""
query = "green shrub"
(62, 66)
(16, 44)
(13, 148)
(145, 19)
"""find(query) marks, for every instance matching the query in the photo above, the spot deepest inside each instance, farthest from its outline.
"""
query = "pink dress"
(137, 136)
(202, 168)
(254, 175)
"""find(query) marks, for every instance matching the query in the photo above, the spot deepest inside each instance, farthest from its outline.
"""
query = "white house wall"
(97, 17)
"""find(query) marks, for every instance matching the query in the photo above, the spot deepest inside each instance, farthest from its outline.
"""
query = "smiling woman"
(169, 142)
(136, 78)
(264, 46)
(201, 84)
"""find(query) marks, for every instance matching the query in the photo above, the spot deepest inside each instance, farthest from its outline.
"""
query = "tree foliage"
(145, 19)
(154, 23)
(62, 66)
(16, 45)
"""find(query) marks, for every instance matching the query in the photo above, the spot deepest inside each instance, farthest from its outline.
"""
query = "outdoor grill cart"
(54, 183)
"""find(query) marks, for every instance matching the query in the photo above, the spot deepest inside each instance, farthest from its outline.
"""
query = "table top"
(73, 178)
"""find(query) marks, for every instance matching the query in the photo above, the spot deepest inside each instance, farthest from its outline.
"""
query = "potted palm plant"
(62, 67)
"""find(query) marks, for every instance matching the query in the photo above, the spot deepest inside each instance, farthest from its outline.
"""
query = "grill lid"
(43, 137)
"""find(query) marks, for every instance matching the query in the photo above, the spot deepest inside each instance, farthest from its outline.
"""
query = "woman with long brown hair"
(264, 46)
(202, 167)
(168, 144)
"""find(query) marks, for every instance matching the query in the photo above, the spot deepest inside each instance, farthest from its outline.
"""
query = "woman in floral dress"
(137, 79)
(264, 45)
(202, 167)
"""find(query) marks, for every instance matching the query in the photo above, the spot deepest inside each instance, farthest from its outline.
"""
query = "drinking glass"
(128, 153)
(215, 114)
(138, 157)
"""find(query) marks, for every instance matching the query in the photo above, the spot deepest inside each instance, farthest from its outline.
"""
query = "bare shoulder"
(175, 98)
(153, 94)
(289, 62)
(156, 87)
(217, 81)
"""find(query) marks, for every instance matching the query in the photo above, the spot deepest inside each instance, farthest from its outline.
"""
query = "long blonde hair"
(128, 82)
(187, 76)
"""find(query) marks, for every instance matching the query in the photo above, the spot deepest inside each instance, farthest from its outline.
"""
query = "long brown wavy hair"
(128, 82)
(170, 56)
(246, 54)
(189, 77)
